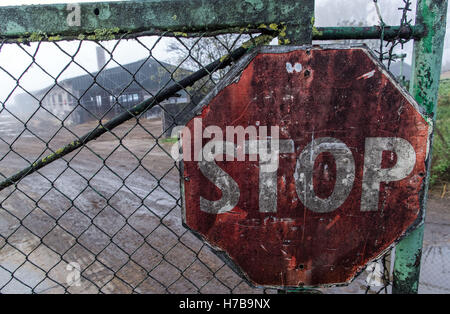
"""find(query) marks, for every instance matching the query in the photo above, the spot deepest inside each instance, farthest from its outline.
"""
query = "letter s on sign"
(221, 179)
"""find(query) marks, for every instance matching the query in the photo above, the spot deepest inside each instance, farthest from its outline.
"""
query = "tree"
(195, 53)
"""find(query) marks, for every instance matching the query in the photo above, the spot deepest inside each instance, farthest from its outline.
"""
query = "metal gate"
(89, 198)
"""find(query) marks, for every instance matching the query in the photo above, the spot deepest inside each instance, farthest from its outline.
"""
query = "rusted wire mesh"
(106, 217)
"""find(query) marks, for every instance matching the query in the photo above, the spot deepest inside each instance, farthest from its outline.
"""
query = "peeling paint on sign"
(346, 180)
(297, 67)
(367, 75)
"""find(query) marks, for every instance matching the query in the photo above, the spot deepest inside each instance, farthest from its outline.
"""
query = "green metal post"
(109, 20)
(424, 87)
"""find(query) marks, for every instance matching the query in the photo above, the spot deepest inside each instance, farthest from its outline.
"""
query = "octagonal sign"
(304, 164)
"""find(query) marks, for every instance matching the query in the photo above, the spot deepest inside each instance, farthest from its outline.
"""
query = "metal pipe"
(318, 33)
(424, 87)
(369, 32)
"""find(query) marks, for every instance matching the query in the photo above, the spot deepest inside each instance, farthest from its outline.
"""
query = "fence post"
(424, 88)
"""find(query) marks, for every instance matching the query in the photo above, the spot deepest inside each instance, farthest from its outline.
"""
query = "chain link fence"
(105, 216)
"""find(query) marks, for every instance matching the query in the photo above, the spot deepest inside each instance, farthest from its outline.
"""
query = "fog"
(54, 59)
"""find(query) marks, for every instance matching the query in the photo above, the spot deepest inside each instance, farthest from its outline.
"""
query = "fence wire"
(104, 218)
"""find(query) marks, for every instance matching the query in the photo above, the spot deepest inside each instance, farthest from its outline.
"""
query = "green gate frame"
(292, 20)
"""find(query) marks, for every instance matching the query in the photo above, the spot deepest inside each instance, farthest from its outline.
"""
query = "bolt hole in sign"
(304, 164)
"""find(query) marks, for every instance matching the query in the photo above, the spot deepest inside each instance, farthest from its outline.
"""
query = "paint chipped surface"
(367, 75)
(297, 67)
(295, 245)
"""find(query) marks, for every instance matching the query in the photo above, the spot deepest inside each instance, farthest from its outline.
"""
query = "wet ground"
(435, 270)
(114, 211)
(112, 208)
(435, 263)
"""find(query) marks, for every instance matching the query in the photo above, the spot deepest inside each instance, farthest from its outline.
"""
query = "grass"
(440, 166)
(169, 140)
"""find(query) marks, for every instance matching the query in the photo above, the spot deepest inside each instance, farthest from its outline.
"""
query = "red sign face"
(304, 165)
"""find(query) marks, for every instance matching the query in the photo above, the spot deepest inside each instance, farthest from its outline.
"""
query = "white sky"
(15, 60)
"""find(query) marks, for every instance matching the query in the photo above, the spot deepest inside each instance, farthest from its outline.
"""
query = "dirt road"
(113, 209)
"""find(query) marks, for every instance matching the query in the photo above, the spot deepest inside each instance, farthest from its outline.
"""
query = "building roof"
(149, 73)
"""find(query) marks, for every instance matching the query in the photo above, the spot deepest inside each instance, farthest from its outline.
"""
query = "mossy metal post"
(424, 87)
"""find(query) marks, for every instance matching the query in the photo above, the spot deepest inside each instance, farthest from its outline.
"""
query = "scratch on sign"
(368, 75)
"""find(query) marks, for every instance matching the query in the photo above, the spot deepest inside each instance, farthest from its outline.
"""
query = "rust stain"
(295, 245)
(331, 224)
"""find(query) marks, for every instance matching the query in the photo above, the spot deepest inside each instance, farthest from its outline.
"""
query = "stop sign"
(304, 164)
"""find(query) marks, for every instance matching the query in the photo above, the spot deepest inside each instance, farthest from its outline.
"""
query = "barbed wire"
(391, 44)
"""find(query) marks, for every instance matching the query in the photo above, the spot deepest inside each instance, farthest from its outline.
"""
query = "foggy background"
(16, 61)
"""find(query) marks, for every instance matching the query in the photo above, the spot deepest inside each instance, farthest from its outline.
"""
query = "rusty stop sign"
(342, 176)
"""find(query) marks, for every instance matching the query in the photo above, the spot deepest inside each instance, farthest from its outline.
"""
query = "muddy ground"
(113, 208)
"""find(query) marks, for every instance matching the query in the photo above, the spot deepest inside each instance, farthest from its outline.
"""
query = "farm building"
(106, 93)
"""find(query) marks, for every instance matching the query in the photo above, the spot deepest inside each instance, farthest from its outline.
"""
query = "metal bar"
(107, 20)
(424, 87)
(299, 290)
(100, 21)
(318, 33)
(369, 32)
